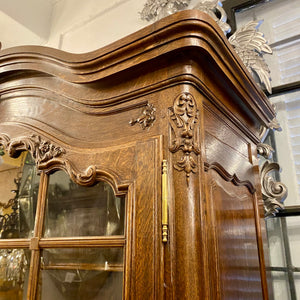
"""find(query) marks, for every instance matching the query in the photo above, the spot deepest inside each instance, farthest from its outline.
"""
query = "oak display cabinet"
(139, 174)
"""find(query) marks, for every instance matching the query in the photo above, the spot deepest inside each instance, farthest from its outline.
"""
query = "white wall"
(25, 22)
(79, 26)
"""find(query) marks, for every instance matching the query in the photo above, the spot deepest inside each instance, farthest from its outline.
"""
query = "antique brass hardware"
(164, 201)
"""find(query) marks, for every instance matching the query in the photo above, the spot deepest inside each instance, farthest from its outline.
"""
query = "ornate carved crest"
(183, 116)
(41, 150)
(147, 117)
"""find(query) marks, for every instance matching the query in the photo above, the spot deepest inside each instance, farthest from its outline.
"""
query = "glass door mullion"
(34, 242)
(83, 242)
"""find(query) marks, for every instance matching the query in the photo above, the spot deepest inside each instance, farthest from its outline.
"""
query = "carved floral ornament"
(147, 117)
(184, 136)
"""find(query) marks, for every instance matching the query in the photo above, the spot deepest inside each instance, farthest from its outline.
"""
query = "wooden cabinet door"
(75, 249)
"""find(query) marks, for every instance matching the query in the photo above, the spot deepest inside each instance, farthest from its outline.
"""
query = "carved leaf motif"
(249, 45)
(183, 116)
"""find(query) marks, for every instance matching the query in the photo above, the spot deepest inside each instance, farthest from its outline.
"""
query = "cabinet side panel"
(235, 234)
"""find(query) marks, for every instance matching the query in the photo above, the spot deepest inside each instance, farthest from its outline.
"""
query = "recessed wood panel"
(233, 220)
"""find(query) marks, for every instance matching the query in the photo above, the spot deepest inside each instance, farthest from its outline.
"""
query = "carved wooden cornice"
(187, 31)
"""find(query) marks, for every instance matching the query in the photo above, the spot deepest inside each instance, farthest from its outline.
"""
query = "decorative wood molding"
(41, 150)
(147, 117)
(183, 136)
(47, 157)
(228, 177)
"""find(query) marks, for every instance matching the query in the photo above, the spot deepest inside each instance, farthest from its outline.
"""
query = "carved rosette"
(183, 136)
(41, 150)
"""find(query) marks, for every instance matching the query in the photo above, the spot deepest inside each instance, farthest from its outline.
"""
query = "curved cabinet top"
(190, 40)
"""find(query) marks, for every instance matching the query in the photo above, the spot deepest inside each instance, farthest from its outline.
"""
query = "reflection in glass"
(83, 273)
(19, 185)
(74, 210)
(276, 242)
(280, 285)
(14, 269)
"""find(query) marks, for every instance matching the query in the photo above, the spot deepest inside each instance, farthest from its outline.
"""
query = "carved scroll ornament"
(184, 136)
(264, 150)
(273, 192)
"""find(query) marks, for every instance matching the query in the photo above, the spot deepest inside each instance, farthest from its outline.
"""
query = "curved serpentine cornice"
(182, 31)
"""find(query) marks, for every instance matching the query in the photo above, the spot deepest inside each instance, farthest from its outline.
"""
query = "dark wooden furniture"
(176, 92)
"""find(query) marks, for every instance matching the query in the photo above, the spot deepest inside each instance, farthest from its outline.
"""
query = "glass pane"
(297, 284)
(74, 210)
(84, 273)
(293, 232)
(276, 244)
(14, 269)
(287, 143)
(19, 186)
(280, 285)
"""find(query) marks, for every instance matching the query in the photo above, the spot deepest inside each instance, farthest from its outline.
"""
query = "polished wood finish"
(174, 90)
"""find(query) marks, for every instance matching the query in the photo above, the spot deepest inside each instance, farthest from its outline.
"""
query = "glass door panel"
(81, 273)
(19, 185)
(74, 210)
(14, 269)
